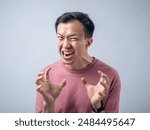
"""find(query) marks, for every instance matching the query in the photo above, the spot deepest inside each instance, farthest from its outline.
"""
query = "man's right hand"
(48, 90)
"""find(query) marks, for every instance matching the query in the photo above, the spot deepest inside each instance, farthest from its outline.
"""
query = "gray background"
(27, 44)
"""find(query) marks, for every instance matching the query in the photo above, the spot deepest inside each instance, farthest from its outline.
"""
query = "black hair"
(81, 17)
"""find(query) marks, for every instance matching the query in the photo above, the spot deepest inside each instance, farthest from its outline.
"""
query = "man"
(78, 82)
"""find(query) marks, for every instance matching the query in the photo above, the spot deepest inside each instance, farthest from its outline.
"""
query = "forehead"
(71, 27)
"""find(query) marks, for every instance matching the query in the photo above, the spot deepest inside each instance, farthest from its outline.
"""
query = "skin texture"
(73, 48)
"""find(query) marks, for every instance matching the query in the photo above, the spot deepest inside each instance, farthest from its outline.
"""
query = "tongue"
(68, 54)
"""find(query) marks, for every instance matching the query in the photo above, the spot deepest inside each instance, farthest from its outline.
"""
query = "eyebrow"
(69, 35)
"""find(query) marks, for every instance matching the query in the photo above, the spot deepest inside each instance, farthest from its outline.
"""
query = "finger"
(104, 85)
(62, 83)
(101, 94)
(103, 77)
(84, 81)
(40, 77)
(38, 88)
(46, 74)
(100, 73)
(40, 73)
(41, 90)
(38, 80)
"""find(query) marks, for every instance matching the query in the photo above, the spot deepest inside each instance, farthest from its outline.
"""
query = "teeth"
(68, 53)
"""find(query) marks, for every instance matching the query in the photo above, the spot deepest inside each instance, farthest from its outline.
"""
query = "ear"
(89, 42)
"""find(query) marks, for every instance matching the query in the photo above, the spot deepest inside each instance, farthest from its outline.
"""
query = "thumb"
(84, 81)
(62, 83)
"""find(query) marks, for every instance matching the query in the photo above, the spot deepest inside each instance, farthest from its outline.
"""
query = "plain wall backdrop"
(28, 43)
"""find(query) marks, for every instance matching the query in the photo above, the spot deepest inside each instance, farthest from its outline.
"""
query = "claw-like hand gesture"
(96, 92)
(48, 90)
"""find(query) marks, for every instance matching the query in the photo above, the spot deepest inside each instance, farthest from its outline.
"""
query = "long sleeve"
(112, 102)
(39, 103)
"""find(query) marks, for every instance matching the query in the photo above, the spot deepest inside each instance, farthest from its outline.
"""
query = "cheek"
(80, 47)
(79, 50)
(59, 46)
(76, 45)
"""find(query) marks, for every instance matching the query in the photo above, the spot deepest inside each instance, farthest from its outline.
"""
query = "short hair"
(81, 17)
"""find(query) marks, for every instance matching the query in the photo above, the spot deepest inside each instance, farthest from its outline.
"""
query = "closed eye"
(60, 37)
(73, 38)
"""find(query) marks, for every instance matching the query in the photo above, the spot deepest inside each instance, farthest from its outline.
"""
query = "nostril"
(67, 45)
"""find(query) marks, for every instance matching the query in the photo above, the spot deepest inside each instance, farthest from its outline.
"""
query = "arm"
(41, 106)
(47, 90)
(112, 102)
(97, 92)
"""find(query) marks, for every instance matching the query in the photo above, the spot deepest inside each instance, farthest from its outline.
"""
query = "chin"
(68, 62)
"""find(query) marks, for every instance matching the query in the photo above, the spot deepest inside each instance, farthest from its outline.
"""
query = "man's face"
(72, 43)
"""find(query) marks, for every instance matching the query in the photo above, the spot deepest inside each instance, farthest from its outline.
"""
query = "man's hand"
(96, 92)
(48, 90)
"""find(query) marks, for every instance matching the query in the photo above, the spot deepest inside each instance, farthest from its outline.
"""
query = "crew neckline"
(79, 70)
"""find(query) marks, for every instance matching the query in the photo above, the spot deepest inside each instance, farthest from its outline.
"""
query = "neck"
(84, 63)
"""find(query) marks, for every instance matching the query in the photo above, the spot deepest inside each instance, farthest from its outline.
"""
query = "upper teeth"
(68, 53)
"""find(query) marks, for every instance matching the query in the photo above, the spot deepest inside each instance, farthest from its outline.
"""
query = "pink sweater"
(73, 97)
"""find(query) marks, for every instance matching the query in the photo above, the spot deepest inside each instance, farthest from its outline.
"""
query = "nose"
(66, 44)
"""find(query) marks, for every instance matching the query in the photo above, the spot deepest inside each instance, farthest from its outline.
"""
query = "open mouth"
(67, 54)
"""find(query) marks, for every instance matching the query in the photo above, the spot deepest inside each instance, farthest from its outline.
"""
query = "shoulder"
(113, 75)
(52, 66)
(108, 70)
(105, 68)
